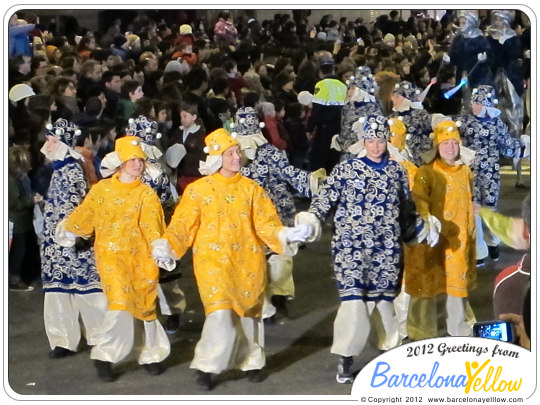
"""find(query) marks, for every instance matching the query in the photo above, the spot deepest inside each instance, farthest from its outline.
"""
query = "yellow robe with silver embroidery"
(228, 221)
(450, 267)
(126, 218)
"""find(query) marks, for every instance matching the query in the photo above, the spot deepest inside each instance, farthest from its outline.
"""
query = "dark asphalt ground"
(299, 362)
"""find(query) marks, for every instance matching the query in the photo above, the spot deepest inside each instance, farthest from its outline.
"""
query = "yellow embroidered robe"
(126, 218)
(450, 267)
(228, 221)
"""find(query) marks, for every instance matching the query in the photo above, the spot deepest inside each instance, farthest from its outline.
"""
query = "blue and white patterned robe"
(64, 269)
(418, 124)
(273, 172)
(350, 114)
(489, 138)
(374, 215)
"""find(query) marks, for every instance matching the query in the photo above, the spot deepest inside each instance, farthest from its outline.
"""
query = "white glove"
(310, 219)
(482, 57)
(446, 58)
(64, 238)
(163, 255)
(434, 230)
(175, 154)
(300, 233)
(335, 143)
(423, 234)
(526, 141)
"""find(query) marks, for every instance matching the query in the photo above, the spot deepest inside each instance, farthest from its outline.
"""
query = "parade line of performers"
(404, 188)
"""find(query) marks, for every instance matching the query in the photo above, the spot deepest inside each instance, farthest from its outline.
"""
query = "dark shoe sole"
(60, 352)
(204, 381)
(154, 368)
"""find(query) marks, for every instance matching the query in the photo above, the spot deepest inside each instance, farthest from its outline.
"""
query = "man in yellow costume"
(126, 217)
(228, 219)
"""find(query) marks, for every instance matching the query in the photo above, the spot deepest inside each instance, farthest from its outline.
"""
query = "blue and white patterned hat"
(246, 122)
(484, 95)
(373, 126)
(144, 128)
(363, 81)
(65, 131)
(407, 90)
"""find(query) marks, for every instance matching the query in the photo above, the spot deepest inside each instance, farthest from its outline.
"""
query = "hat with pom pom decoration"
(65, 131)
(373, 126)
(246, 122)
(129, 147)
(144, 128)
(484, 95)
(219, 141)
(407, 90)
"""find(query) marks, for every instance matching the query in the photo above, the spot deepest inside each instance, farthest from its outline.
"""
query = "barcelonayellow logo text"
(458, 365)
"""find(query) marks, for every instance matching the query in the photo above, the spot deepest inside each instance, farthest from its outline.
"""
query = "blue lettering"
(380, 374)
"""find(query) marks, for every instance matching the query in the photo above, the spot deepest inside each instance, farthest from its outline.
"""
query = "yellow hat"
(185, 29)
(219, 141)
(446, 130)
(398, 133)
(129, 147)
(132, 38)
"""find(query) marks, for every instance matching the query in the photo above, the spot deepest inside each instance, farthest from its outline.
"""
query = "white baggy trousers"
(120, 333)
(229, 341)
(61, 312)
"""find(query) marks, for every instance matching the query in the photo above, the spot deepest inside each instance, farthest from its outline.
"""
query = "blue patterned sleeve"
(410, 221)
(329, 194)
(297, 178)
(508, 145)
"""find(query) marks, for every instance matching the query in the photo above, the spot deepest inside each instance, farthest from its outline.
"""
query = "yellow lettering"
(471, 376)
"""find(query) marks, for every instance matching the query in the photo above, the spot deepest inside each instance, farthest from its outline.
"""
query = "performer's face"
(476, 108)
(449, 150)
(52, 144)
(231, 161)
(133, 167)
(375, 148)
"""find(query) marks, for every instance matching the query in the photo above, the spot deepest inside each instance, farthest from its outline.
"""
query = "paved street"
(298, 357)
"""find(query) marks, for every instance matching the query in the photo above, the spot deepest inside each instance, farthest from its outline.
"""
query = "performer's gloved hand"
(434, 230)
(446, 58)
(335, 143)
(163, 255)
(526, 145)
(64, 238)
(300, 233)
(482, 56)
(303, 218)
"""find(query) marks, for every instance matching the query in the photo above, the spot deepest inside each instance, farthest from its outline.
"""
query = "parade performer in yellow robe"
(125, 215)
(228, 219)
(443, 188)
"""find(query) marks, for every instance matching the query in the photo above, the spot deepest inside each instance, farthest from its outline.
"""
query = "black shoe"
(104, 370)
(154, 368)
(20, 286)
(204, 380)
(480, 263)
(493, 252)
(280, 302)
(521, 185)
(59, 352)
(344, 370)
(172, 324)
(254, 376)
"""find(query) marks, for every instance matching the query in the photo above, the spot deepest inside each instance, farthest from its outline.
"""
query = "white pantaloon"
(229, 341)
(353, 324)
(171, 298)
(280, 281)
(61, 313)
(484, 238)
(427, 315)
(121, 332)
